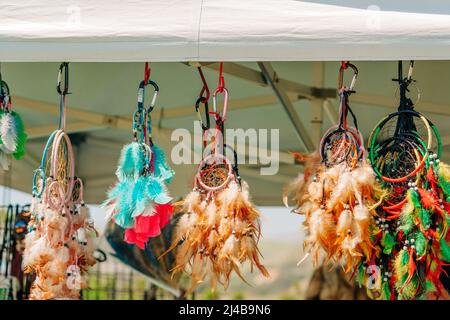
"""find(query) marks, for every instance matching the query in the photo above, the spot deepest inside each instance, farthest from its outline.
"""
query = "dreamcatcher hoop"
(377, 130)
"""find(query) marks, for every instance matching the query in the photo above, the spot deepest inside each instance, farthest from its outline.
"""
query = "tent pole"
(271, 78)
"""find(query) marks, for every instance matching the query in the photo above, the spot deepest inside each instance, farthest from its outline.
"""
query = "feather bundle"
(410, 234)
(217, 234)
(338, 204)
(139, 202)
(59, 246)
(12, 137)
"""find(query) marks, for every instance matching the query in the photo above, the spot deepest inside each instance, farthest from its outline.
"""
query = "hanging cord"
(405, 122)
(235, 163)
(221, 84)
(204, 99)
(63, 68)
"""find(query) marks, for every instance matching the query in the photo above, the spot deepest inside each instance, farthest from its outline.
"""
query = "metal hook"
(5, 95)
(344, 66)
(225, 103)
(410, 70)
(199, 116)
(141, 93)
(63, 67)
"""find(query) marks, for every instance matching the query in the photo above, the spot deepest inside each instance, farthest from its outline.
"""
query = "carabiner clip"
(141, 94)
(63, 67)
(410, 71)
(344, 66)
(225, 103)
(5, 97)
(199, 116)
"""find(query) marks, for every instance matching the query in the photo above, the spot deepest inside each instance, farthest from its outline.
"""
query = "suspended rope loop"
(205, 88)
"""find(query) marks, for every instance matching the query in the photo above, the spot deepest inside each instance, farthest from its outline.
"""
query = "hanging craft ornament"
(220, 227)
(336, 191)
(12, 132)
(410, 239)
(59, 246)
(139, 202)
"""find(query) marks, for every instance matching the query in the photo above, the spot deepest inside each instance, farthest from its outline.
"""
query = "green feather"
(388, 242)
(401, 268)
(409, 291)
(429, 287)
(445, 250)
(406, 223)
(415, 198)
(361, 274)
(420, 244)
(425, 218)
(385, 291)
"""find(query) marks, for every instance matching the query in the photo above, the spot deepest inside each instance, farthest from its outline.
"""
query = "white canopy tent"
(249, 35)
(231, 30)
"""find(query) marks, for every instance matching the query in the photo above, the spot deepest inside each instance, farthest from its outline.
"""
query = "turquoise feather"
(131, 162)
(139, 196)
(156, 191)
(125, 206)
(161, 167)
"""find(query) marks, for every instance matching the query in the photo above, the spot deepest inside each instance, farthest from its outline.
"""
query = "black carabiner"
(63, 67)
(197, 110)
(5, 96)
(141, 93)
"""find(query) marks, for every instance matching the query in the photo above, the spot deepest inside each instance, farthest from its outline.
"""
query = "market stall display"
(59, 245)
(139, 202)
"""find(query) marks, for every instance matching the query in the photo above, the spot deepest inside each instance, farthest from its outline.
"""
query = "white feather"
(8, 132)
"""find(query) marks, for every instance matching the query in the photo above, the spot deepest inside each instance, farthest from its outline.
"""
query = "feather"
(388, 242)
(131, 161)
(445, 250)
(8, 133)
(342, 191)
(420, 243)
(161, 168)
(344, 223)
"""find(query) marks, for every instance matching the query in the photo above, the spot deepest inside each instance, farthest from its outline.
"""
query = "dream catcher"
(59, 246)
(139, 201)
(336, 190)
(220, 228)
(410, 238)
(12, 132)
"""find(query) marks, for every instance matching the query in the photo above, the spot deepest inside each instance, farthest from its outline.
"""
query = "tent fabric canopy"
(231, 30)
